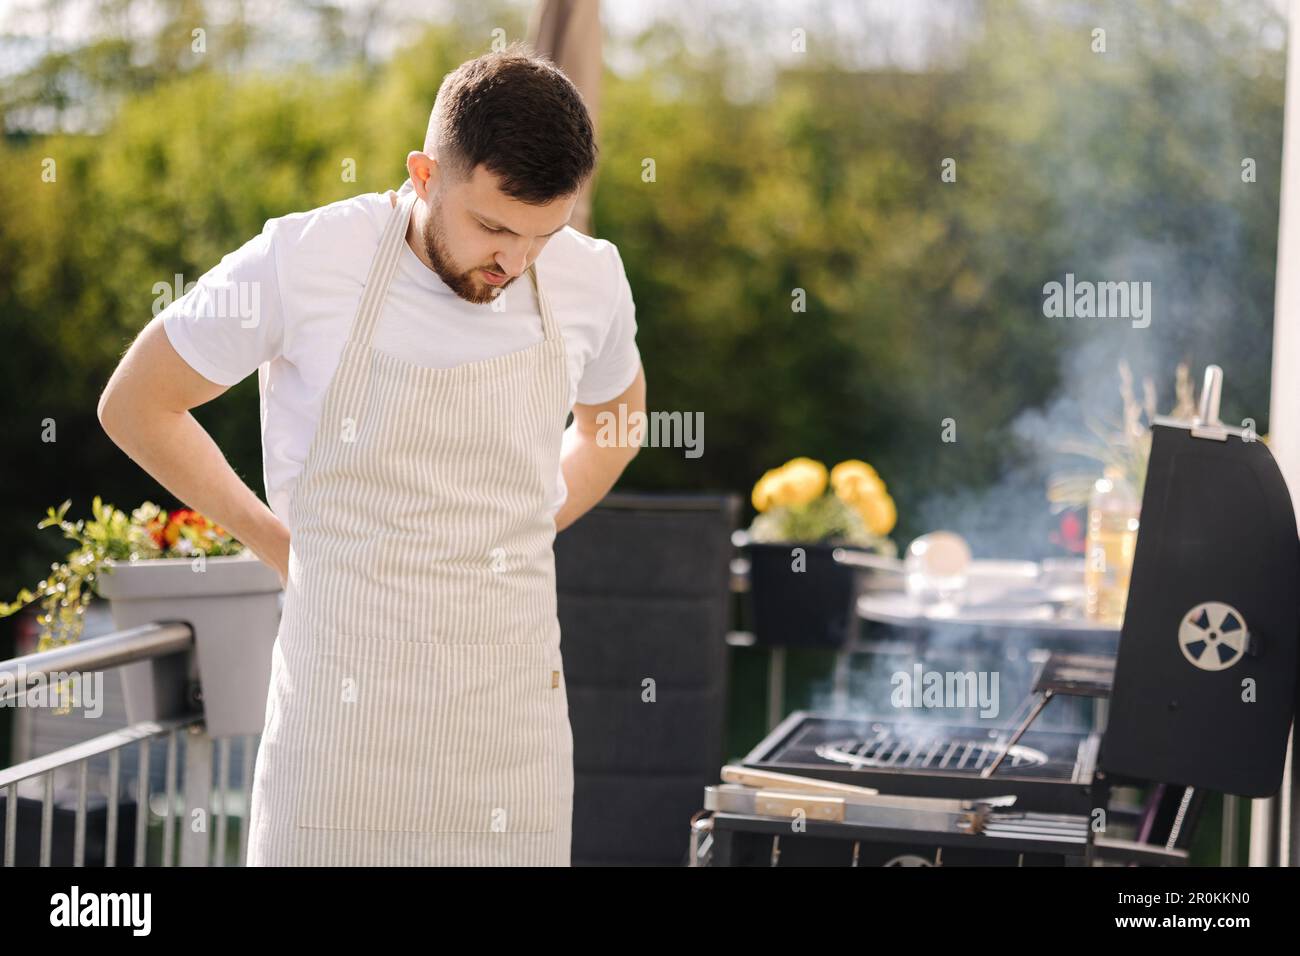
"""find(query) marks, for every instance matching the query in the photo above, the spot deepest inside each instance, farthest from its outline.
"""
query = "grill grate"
(934, 758)
(922, 751)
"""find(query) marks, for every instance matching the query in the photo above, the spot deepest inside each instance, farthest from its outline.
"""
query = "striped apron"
(418, 713)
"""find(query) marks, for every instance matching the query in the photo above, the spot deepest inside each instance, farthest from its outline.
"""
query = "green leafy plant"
(110, 536)
(1123, 448)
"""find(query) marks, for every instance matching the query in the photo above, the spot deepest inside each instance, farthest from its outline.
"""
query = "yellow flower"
(878, 512)
(797, 482)
(859, 486)
(854, 480)
(805, 480)
(763, 489)
(850, 467)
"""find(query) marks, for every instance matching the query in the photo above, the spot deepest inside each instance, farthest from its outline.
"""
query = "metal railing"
(186, 825)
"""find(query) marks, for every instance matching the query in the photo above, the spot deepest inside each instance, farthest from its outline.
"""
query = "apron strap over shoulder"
(384, 265)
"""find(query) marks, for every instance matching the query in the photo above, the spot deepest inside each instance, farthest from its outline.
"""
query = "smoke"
(949, 650)
(1159, 160)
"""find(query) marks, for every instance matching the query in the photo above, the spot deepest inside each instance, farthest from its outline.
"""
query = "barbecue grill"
(1046, 770)
(1200, 694)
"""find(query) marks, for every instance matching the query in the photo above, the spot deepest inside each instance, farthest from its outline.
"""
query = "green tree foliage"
(923, 299)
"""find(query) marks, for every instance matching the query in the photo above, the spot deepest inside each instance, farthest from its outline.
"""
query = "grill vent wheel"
(1212, 636)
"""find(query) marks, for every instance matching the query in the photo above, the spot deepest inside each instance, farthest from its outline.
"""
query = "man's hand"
(145, 411)
(591, 468)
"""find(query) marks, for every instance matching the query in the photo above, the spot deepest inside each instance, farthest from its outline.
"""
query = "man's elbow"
(112, 416)
(106, 411)
(635, 396)
(637, 435)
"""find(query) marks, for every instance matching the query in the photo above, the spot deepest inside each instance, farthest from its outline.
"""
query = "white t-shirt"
(283, 304)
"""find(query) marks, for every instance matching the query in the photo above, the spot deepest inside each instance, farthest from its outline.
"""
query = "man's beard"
(464, 284)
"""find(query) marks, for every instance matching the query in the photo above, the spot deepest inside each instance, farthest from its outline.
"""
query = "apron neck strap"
(550, 330)
(384, 264)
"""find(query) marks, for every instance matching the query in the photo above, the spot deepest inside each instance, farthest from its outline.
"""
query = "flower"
(111, 536)
(761, 497)
(155, 528)
(806, 479)
(853, 479)
(797, 482)
(186, 531)
(793, 504)
(858, 485)
(879, 513)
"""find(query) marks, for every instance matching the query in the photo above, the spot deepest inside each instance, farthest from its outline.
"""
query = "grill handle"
(1211, 391)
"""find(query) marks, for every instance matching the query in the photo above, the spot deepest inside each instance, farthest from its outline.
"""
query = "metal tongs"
(766, 793)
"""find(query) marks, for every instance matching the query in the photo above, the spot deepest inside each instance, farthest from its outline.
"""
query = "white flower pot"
(233, 605)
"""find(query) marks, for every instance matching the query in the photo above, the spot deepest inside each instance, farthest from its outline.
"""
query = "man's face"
(480, 240)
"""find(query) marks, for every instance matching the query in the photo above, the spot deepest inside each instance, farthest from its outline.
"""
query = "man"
(417, 468)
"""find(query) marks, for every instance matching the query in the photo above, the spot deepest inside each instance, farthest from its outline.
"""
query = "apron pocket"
(457, 738)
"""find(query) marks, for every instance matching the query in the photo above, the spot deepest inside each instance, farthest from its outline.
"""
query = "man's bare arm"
(590, 468)
(145, 410)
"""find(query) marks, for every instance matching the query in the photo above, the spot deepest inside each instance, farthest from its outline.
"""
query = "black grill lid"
(1205, 681)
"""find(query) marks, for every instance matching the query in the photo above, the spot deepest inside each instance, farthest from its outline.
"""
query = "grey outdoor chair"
(644, 606)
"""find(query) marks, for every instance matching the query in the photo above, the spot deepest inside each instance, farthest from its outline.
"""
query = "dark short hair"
(516, 114)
